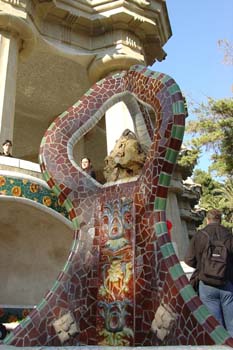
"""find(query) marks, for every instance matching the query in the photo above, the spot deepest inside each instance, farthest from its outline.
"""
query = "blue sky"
(194, 59)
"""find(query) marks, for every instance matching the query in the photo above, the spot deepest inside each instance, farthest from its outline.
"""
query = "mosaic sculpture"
(122, 283)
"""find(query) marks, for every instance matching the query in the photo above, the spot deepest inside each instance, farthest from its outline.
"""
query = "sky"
(194, 58)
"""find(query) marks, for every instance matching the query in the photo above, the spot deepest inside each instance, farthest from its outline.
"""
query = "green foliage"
(225, 196)
(205, 179)
(209, 186)
(216, 195)
(187, 160)
(213, 131)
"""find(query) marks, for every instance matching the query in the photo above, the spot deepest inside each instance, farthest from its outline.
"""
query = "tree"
(213, 130)
(227, 47)
(187, 160)
(209, 189)
(216, 195)
(225, 196)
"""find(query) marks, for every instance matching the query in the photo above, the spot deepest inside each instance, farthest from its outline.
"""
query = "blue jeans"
(219, 301)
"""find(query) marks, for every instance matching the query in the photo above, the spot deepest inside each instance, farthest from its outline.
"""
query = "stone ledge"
(19, 163)
(20, 166)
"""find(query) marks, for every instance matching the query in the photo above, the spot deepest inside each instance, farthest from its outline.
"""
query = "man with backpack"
(211, 254)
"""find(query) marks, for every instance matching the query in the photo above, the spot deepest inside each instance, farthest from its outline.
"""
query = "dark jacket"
(199, 241)
(92, 174)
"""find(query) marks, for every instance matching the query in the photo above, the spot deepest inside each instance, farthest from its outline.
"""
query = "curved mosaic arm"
(122, 267)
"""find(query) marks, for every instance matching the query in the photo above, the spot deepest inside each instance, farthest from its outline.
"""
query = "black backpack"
(213, 269)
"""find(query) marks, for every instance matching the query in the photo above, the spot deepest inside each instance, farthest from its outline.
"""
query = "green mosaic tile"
(219, 335)
(74, 245)
(161, 227)
(9, 338)
(178, 107)
(89, 92)
(167, 250)
(43, 141)
(75, 224)
(178, 131)
(176, 271)
(201, 314)
(62, 115)
(164, 179)
(51, 126)
(147, 73)
(46, 175)
(137, 68)
(166, 78)
(171, 155)
(68, 204)
(67, 266)
(55, 286)
(25, 322)
(173, 89)
(42, 304)
(100, 82)
(160, 203)
(56, 190)
(77, 103)
(156, 75)
(118, 75)
(187, 293)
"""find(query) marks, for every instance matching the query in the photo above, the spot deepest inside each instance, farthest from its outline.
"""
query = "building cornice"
(18, 26)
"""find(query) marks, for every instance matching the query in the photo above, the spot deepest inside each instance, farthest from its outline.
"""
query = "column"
(117, 119)
(9, 51)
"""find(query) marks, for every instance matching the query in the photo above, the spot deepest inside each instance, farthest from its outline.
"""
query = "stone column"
(117, 119)
(17, 40)
(9, 51)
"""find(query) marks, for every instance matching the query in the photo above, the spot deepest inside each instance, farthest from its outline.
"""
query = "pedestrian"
(6, 146)
(211, 253)
(87, 167)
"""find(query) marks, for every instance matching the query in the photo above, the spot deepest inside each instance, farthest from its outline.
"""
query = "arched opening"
(123, 112)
